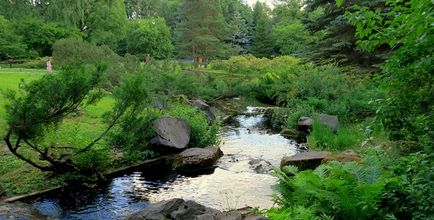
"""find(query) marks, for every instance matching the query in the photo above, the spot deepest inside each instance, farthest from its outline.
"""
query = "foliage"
(409, 193)
(39, 36)
(323, 138)
(248, 64)
(333, 190)
(203, 134)
(338, 42)
(263, 45)
(407, 76)
(291, 38)
(149, 36)
(202, 30)
(35, 110)
(11, 44)
(72, 51)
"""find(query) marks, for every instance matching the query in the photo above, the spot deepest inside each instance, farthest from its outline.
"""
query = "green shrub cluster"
(71, 51)
(249, 64)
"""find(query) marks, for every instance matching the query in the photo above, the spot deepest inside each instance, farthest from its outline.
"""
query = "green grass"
(323, 138)
(17, 177)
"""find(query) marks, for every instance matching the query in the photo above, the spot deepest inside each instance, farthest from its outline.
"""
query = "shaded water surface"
(233, 184)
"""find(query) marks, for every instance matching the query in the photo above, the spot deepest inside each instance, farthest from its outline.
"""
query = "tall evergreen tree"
(263, 45)
(339, 42)
(202, 31)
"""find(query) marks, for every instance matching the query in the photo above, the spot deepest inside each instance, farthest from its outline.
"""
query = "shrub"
(72, 51)
(323, 138)
(203, 134)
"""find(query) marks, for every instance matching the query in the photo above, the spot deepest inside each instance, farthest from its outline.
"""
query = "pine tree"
(263, 45)
(202, 31)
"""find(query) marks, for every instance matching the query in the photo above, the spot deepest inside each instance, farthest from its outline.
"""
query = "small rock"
(173, 134)
(197, 159)
(298, 136)
(260, 166)
(158, 104)
(18, 210)
(330, 121)
(304, 161)
(305, 124)
(205, 108)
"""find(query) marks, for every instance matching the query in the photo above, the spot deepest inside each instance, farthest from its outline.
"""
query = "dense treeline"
(186, 29)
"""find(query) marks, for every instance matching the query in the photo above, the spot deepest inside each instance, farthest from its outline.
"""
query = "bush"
(203, 134)
(72, 51)
(248, 64)
(323, 138)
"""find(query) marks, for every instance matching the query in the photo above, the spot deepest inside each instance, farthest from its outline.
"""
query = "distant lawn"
(18, 177)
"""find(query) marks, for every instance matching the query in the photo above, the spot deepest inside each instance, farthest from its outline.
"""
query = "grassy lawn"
(18, 177)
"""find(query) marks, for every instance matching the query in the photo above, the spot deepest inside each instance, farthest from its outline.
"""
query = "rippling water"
(233, 184)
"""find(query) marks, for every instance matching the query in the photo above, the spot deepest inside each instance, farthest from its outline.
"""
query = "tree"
(291, 38)
(149, 36)
(339, 41)
(263, 45)
(202, 30)
(36, 108)
(102, 21)
(167, 9)
(39, 36)
(408, 113)
(11, 44)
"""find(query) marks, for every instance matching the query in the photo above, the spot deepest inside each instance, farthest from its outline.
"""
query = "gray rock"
(178, 209)
(197, 159)
(173, 134)
(304, 124)
(304, 161)
(205, 108)
(175, 209)
(158, 104)
(330, 121)
(18, 210)
(260, 166)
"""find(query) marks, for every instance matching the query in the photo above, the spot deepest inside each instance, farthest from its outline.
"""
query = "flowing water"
(233, 184)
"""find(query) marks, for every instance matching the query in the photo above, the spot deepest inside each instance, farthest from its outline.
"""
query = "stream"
(233, 184)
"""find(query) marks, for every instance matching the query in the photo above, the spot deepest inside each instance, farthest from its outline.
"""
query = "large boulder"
(197, 159)
(18, 210)
(330, 121)
(173, 134)
(304, 161)
(178, 209)
(204, 107)
(304, 124)
(174, 209)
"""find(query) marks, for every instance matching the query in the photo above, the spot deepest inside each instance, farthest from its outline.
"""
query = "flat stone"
(197, 159)
(304, 161)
